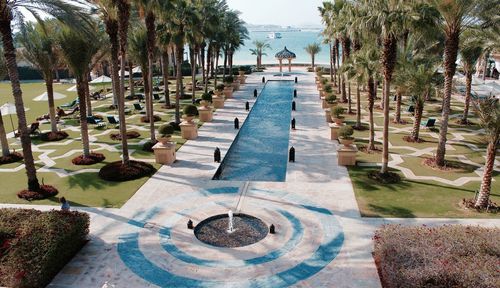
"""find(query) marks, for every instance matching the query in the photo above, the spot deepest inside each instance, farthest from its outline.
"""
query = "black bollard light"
(291, 156)
(190, 224)
(247, 106)
(263, 79)
(254, 92)
(217, 155)
(236, 123)
(295, 93)
(272, 229)
(293, 123)
(296, 80)
(294, 106)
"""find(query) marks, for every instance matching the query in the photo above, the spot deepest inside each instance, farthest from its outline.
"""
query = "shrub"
(38, 244)
(130, 135)
(323, 81)
(145, 119)
(92, 159)
(346, 132)
(328, 88)
(116, 171)
(319, 73)
(166, 130)
(53, 136)
(229, 79)
(338, 111)
(443, 256)
(331, 98)
(11, 158)
(45, 191)
(190, 110)
(318, 69)
(148, 146)
(206, 97)
(220, 87)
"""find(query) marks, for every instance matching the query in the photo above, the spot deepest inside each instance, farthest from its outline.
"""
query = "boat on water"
(274, 35)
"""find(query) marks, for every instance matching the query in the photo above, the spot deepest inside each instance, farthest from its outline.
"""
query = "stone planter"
(339, 121)
(165, 153)
(346, 141)
(218, 92)
(328, 115)
(218, 101)
(324, 105)
(242, 77)
(188, 118)
(334, 131)
(189, 130)
(206, 113)
(228, 92)
(164, 139)
(347, 155)
(236, 85)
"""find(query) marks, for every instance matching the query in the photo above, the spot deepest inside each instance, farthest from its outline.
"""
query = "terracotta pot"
(338, 121)
(204, 103)
(228, 92)
(346, 141)
(165, 139)
(188, 118)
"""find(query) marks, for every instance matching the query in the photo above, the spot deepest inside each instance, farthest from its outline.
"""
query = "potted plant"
(345, 135)
(228, 86)
(190, 111)
(331, 99)
(218, 89)
(165, 131)
(229, 80)
(206, 99)
(337, 112)
(241, 70)
(327, 89)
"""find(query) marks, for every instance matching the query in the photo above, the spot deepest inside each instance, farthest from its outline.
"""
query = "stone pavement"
(321, 239)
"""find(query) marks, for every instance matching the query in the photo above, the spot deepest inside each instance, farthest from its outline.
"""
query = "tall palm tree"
(3, 135)
(78, 48)
(9, 12)
(312, 50)
(259, 51)
(39, 50)
(165, 45)
(489, 116)
(470, 51)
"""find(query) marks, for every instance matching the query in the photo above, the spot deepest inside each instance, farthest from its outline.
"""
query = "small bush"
(443, 256)
(166, 130)
(116, 171)
(328, 88)
(93, 158)
(148, 146)
(206, 97)
(338, 111)
(11, 158)
(323, 81)
(190, 110)
(220, 87)
(331, 98)
(45, 191)
(53, 136)
(38, 244)
(346, 132)
(229, 79)
(145, 119)
(130, 135)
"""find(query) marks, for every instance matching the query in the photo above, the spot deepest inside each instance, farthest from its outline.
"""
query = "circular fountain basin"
(247, 230)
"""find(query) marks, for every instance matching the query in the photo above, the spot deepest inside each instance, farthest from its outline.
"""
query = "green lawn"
(84, 189)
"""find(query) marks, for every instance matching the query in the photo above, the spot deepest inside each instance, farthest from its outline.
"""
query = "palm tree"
(489, 116)
(3, 135)
(78, 48)
(138, 52)
(259, 51)
(165, 45)
(470, 51)
(62, 11)
(312, 50)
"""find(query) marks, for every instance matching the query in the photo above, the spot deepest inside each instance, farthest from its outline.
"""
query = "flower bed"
(53, 136)
(11, 158)
(116, 171)
(130, 135)
(443, 256)
(45, 191)
(35, 245)
(93, 158)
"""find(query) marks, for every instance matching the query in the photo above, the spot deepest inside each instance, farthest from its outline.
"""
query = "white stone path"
(317, 192)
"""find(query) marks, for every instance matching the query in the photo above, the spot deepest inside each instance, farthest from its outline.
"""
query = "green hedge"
(35, 245)
(442, 256)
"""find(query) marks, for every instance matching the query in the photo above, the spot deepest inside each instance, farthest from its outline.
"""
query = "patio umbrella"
(45, 96)
(126, 72)
(137, 70)
(73, 88)
(101, 79)
(10, 109)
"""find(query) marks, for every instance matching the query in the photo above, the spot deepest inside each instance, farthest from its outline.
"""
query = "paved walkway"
(321, 240)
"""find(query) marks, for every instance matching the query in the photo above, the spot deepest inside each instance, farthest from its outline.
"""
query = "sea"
(294, 41)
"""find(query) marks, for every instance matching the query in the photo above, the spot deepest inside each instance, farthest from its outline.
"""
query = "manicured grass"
(412, 198)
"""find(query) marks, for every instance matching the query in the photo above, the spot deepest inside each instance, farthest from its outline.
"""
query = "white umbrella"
(120, 72)
(137, 70)
(10, 109)
(45, 96)
(101, 79)
(73, 88)
(477, 81)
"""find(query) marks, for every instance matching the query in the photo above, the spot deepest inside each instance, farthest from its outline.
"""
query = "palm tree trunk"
(349, 98)
(397, 117)
(485, 190)
(216, 65)
(10, 58)
(371, 102)
(207, 70)
(358, 106)
(84, 130)
(87, 95)
(202, 62)
(3, 138)
(312, 61)
(468, 83)
(450, 58)
(50, 95)
(180, 51)
(331, 63)
(121, 111)
(145, 80)
(343, 91)
(485, 67)
(419, 108)
(131, 84)
(150, 31)
(225, 64)
(193, 73)
(165, 68)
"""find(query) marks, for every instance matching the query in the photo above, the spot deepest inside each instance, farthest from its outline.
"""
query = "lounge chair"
(71, 104)
(113, 121)
(140, 97)
(95, 121)
(410, 109)
(429, 123)
(34, 129)
(156, 96)
(138, 107)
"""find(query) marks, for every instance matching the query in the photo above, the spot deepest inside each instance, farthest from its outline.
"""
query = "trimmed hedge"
(442, 256)
(35, 245)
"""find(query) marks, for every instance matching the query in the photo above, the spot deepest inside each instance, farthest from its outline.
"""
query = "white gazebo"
(287, 55)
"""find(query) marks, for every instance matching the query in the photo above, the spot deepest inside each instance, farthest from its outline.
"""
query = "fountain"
(230, 228)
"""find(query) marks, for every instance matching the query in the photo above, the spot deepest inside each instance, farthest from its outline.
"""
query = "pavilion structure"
(285, 54)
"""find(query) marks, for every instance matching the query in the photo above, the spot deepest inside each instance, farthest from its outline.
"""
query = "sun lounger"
(71, 104)
(138, 107)
(429, 123)
(112, 120)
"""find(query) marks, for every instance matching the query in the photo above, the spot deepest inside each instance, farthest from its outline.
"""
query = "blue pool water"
(260, 150)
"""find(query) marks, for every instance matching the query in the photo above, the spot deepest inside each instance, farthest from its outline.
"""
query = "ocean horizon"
(295, 41)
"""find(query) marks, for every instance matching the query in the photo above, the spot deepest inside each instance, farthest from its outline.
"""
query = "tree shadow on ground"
(393, 211)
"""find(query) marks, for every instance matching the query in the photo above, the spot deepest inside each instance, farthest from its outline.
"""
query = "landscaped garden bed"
(53, 136)
(35, 245)
(44, 192)
(11, 158)
(444, 256)
(116, 171)
(130, 135)
(93, 158)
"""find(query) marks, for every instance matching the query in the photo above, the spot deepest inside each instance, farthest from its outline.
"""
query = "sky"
(279, 12)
